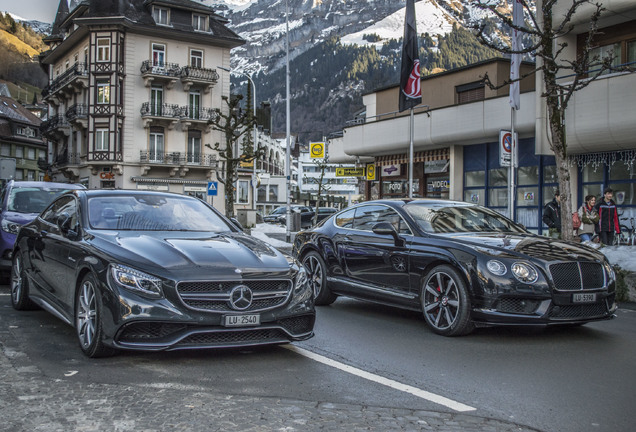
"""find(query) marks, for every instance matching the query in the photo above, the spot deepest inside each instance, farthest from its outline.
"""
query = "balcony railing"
(76, 71)
(178, 158)
(53, 123)
(149, 109)
(201, 114)
(67, 158)
(77, 112)
(162, 69)
(199, 74)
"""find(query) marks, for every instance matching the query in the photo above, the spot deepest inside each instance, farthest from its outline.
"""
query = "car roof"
(45, 184)
(90, 193)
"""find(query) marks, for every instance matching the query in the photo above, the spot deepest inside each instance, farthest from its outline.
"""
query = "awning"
(169, 180)
(423, 156)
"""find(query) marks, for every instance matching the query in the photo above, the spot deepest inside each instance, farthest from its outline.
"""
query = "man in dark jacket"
(552, 215)
(608, 218)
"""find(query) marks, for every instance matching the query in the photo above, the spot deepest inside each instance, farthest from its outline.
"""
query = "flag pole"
(411, 128)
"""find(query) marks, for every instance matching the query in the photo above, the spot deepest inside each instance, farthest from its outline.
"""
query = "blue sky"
(41, 10)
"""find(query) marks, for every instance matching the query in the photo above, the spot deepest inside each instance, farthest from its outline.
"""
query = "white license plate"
(584, 298)
(242, 320)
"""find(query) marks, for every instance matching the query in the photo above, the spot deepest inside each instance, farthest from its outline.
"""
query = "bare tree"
(236, 123)
(544, 30)
(322, 165)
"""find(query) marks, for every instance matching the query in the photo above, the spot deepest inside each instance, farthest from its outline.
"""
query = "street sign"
(213, 188)
(317, 150)
(505, 147)
(370, 171)
(350, 172)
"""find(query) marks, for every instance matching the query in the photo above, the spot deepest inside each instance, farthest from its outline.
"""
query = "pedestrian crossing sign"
(213, 188)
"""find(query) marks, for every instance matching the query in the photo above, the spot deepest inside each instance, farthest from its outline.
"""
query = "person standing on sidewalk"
(589, 218)
(552, 216)
(608, 217)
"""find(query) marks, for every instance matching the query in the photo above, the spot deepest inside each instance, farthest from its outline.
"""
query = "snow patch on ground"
(622, 256)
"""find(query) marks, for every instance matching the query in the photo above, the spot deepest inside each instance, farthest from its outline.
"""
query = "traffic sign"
(213, 188)
(505, 147)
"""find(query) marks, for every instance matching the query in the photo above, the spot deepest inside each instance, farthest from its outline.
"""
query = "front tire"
(88, 320)
(317, 273)
(446, 303)
(20, 286)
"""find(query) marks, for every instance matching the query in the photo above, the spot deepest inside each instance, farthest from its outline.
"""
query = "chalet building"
(20, 139)
(133, 85)
(457, 133)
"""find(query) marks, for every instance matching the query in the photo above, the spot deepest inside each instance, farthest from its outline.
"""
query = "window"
(5, 150)
(31, 153)
(196, 58)
(631, 51)
(103, 92)
(158, 55)
(30, 175)
(243, 192)
(194, 146)
(199, 22)
(273, 193)
(67, 64)
(156, 101)
(101, 139)
(85, 55)
(19, 152)
(345, 219)
(161, 15)
(194, 105)
(156, 146)
(598, 54)
(103, 50)
(470, 92)
(76, 58)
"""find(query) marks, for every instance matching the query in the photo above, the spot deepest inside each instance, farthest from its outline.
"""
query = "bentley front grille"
(573, 276)
(216, 296)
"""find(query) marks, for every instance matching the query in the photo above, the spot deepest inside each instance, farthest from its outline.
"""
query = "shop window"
(631, 51)
(243, 192)
(528, 175)
(475, 179)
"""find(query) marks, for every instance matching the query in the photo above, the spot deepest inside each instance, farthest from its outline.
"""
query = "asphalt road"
(369, 367)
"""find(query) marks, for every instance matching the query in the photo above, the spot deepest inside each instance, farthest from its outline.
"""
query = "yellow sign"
(350, 172)
(246, 164)
(317, 150)
(371, 171)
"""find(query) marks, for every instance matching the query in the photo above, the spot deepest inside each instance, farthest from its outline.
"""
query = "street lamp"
(254, 192)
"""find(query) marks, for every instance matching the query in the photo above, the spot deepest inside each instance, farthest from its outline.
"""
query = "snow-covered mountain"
(38, 26)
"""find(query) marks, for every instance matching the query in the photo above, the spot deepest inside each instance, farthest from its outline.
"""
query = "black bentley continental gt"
(144, 270)
(460, 264)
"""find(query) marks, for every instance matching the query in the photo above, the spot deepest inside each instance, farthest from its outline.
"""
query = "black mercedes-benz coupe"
(145, 270)
(460, 264)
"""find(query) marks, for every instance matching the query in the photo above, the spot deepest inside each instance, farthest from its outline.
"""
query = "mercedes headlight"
(496, 267)
(301, 280)
(135, 280)
(10, 227)
(524, 272)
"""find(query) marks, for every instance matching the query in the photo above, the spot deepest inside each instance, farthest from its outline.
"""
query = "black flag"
(410, 90)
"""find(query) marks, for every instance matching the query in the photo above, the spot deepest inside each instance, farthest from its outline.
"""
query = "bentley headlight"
(610, 271)
(135, 280)
(300, 282)
(10, 227)
(496, 267)
(524, 272)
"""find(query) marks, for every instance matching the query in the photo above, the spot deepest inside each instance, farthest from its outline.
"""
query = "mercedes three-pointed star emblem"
(241, 297)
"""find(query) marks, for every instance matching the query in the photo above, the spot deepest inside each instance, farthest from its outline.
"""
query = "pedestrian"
(607, 217)
(552, 215)
(589, 218)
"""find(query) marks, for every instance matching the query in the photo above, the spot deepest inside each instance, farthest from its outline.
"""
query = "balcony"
(55, 127)
(160, 114)
(194, 76)
(72, 81)
(202, 116)
(77, 115)
(162, 73)
(66, 159)
(178, 159)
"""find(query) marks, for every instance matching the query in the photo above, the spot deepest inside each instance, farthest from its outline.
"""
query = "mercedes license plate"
(584, 298)
(242, 320)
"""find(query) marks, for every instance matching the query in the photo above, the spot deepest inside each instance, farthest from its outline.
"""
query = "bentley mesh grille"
(572, 276)
(517, 306)
(579, 311)
(214, 296)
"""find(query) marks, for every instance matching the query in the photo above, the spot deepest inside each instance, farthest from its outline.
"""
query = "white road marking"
(441, 400)
(70, 373)
(5, 294)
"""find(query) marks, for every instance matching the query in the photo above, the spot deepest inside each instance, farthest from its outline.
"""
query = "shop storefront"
(430, 176)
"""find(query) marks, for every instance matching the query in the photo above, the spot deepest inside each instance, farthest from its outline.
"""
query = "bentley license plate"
(242, 320)
(584, 298)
